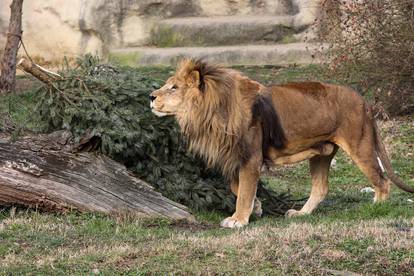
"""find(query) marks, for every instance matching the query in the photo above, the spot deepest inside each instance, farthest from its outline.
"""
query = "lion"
(237, 124)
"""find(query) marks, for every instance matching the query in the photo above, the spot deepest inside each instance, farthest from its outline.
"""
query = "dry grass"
(284, 247)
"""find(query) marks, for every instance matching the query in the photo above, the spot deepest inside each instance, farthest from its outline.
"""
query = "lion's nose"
(152, 98)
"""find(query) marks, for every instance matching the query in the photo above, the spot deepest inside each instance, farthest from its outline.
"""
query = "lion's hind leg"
(319, 168)
(363, 153)
(368, 164)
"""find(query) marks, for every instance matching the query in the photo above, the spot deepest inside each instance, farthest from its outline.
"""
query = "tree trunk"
(44, 172)
(8, 63)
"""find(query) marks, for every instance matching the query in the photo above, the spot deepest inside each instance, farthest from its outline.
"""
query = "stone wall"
(56, 28)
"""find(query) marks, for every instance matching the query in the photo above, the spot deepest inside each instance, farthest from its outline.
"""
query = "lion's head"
(168, 99)
(213, 107)
(193, 83)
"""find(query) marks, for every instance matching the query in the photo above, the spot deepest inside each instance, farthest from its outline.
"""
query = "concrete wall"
(56, 28)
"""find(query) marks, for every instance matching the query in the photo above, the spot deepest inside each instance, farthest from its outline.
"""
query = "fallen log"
(44, 172)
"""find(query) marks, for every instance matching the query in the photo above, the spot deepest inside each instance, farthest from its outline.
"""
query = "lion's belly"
(282, 158)
(297, 146)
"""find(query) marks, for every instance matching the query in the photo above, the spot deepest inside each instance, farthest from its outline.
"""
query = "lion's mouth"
(160, 114)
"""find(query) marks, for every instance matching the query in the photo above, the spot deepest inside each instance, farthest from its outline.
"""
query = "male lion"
(237, 124)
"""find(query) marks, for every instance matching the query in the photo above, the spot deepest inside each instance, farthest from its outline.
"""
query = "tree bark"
(44, 172)
(8, 63)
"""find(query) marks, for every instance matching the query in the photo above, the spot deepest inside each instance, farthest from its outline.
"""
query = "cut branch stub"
(38, 71)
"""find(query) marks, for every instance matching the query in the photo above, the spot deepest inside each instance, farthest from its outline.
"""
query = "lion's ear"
(193, 79)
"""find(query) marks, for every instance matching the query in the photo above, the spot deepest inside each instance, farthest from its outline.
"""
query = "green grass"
(16, 110)
(125, 59)
(165, 37)
(346, 233)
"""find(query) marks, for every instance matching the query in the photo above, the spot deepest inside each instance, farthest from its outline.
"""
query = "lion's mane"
(217, 119)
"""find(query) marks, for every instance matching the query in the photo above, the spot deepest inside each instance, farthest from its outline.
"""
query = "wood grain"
(44, 172)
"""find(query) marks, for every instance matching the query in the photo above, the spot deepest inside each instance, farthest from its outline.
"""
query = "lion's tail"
(385, 161)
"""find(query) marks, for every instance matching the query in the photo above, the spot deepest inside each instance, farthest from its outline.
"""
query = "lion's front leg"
(246, 194)
(257, 206)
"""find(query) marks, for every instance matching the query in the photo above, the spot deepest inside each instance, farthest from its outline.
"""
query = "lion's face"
(170, 99)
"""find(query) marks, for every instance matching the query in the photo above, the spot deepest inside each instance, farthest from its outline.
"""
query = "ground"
(348, 233)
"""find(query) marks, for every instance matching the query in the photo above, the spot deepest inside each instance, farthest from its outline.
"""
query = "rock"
(224, 30)
(334, 164)
(367, 190)
(246, 7)
(58, 28)
(134, 32)
(283, 54)
(53, 29)
(307, 12)
(166, 8)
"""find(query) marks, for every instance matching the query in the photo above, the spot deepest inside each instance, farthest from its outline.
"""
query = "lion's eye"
(174, 87)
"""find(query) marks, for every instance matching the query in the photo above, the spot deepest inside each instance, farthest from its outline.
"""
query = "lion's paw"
(231, 222)
(293, 213)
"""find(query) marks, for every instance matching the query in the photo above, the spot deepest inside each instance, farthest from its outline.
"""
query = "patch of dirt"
(192, 226)
(402, 226)
(127, 261)
(182, 225)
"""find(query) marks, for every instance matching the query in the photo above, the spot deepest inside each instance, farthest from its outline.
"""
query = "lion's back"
(309, 107)
(316, 95)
